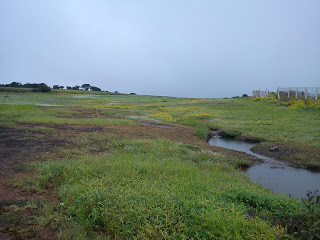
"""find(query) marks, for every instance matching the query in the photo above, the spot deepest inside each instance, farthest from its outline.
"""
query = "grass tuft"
(201, 132)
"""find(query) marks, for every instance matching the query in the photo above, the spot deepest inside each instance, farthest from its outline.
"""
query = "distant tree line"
(42, 87)
(85, 86)
(37, 87)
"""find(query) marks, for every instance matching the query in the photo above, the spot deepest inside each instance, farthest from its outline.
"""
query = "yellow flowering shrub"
(259, 99)
(269, 99)
(314, 105)
(273, 100)
(301, 104)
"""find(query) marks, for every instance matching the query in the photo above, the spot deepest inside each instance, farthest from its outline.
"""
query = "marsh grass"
(35, 114)
(86, 121)
(261, 119)
(39, 129)
(6, 124)
(160, 189)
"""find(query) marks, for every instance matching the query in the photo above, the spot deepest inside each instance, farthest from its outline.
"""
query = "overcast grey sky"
(179, 48)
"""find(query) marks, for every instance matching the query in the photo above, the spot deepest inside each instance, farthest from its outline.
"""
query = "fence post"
(288, 93)
(278, 94)
(316, 94)
(296, 93)
(306, 94)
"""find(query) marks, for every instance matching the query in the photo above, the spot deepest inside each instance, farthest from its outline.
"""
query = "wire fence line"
(260, 93)
(290, 93)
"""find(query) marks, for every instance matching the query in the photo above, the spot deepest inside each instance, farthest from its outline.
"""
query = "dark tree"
(30, 85)
(14, 84)
(55, 87)
(76, 87)
(69, 88)
(95, 89)
(86, 86)
(40, 87)
(44, 87)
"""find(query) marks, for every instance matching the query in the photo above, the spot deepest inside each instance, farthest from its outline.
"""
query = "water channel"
(273, 174)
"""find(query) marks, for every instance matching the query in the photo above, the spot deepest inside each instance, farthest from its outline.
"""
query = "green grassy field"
(116, 180)
(265, 120)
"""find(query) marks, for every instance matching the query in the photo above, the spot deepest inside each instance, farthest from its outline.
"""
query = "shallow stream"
(273, 174)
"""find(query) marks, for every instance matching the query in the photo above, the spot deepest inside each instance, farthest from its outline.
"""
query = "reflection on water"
(273, 174)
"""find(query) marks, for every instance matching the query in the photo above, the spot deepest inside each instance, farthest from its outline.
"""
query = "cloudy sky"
(179, 48)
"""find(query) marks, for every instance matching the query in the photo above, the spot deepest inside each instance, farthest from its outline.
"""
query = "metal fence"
(290, 93)
(260, 93)
(298, 93)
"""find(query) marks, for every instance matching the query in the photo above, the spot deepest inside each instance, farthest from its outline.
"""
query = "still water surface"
(273, 174)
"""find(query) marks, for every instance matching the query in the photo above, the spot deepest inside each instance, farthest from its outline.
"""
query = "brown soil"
(17, 148)
(297, 155)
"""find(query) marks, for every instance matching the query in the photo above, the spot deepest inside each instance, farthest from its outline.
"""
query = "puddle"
(273, 174)
(48, 105)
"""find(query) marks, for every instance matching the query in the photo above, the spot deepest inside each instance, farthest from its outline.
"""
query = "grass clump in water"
(230, 133)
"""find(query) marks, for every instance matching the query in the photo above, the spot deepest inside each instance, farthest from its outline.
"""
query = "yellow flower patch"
(162, 116)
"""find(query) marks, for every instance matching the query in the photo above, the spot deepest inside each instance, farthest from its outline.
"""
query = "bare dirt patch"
(82, 113)
(17, 148)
